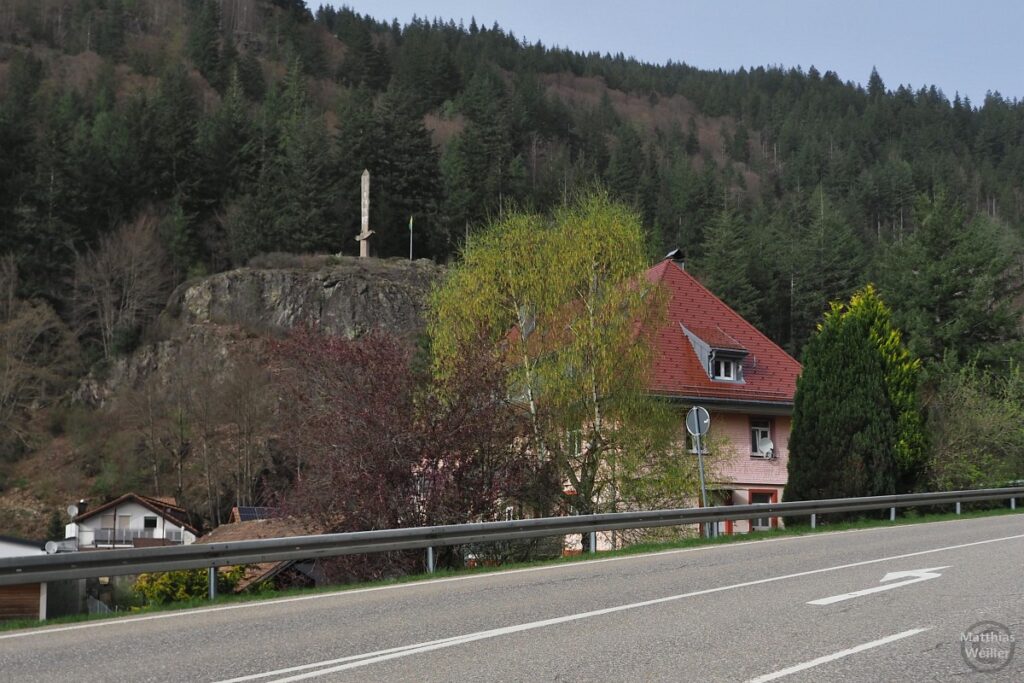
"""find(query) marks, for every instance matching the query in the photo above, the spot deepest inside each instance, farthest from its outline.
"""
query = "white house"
(132, 520)
(24, 601)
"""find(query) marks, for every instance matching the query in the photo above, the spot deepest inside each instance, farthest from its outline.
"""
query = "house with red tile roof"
(706, 354)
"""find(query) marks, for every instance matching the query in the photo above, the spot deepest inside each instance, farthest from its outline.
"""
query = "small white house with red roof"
(707, 354)
(131, 520)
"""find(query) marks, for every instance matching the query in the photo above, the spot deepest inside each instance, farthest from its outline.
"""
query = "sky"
(966, 47)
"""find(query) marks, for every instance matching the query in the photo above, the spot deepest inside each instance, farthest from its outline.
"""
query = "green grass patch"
(909, 517)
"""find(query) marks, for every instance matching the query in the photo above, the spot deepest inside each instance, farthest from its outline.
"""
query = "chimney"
(676, 256)
(82, 505)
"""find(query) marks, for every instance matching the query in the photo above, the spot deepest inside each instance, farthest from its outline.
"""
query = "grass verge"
(640, 548)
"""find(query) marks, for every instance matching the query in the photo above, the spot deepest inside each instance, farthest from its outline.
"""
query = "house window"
(149, 522)
(760, 430)
(724, 369)
(762, 498)
(107, 521)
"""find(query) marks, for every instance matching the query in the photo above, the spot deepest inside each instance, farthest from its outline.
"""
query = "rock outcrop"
(348, 298)
(221, 317)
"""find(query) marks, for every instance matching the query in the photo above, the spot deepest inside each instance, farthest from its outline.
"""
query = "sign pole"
(698, 420)
(703, 485)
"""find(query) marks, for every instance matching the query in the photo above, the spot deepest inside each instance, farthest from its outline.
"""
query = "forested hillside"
(177, 138)
(242, 127)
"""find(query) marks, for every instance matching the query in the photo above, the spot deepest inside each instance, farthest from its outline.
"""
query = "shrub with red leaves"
(377, 444)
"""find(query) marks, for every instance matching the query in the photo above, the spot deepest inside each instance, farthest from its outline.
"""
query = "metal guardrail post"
(211, 577)
(1013, 503)
(430, 559)
(593, 542)
(958, 507)
(892, 514)
(814, 521)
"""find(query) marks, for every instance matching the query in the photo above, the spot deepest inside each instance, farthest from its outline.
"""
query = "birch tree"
(564, 298)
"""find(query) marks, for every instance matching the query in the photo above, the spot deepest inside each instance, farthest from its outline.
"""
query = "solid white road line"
(304, 667)
(837, 655)
(429, 646)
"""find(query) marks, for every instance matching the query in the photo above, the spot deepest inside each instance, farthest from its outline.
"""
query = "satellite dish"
(50, 547)
(72, 511)
(766, 448)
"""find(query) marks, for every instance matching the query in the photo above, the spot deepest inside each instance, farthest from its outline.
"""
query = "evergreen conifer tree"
(954, 284)
(204, 41)
(724, 268)
(856, 426)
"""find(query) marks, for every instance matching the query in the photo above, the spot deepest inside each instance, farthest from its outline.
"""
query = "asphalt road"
(805, 608)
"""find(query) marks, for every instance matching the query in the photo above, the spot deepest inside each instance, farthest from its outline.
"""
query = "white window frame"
(761, 424)
(723, 369)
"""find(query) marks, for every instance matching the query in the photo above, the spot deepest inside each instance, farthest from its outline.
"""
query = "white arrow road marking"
(911, 576)
(836, 655)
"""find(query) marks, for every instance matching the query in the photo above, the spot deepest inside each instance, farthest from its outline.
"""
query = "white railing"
(128, 536)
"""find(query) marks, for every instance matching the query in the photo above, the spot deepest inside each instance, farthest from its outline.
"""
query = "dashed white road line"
(781, 673)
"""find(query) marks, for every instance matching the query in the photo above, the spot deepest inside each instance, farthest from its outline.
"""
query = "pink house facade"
(707, 354)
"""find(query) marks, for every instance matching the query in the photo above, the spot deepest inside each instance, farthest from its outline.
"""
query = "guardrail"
(79, 565)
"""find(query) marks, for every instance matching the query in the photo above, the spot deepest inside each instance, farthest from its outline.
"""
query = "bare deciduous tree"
(37, 353)
(206, 421)
(122, 284)
(248, 401)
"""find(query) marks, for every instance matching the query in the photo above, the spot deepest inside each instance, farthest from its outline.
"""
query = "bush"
(977, 418)
(12, 449)
(118, 470)
(126, 339)
(161, 588)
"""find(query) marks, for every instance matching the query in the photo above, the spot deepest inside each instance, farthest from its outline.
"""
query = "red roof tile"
(769, 373)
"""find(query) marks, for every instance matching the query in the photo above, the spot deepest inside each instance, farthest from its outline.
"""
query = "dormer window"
(721, 355)
(724, 369)
(726, 365)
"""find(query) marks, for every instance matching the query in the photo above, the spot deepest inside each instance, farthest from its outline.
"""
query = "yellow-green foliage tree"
(564, 299)
(902, 378)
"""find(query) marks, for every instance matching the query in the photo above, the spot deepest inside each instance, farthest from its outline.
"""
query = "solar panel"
(248, 514)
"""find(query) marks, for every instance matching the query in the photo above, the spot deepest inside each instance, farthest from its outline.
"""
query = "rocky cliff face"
(348, 298)
(224, 315)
